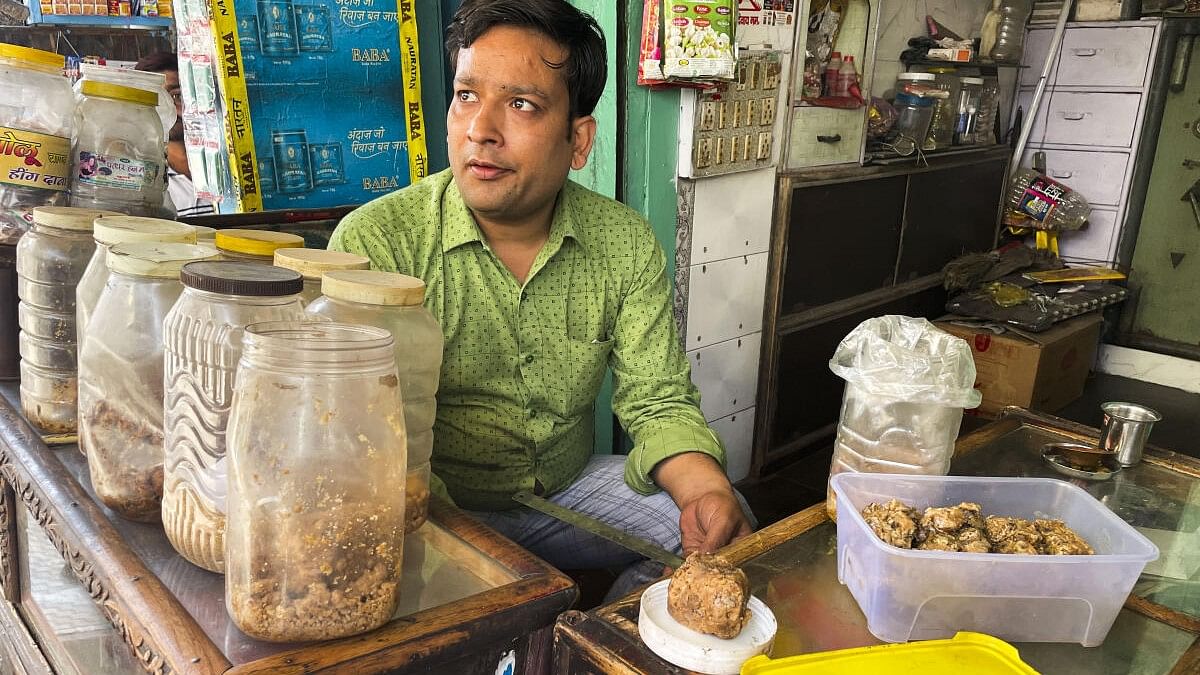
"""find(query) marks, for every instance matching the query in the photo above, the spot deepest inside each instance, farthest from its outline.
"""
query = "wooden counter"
(792, 566)
(84, 591)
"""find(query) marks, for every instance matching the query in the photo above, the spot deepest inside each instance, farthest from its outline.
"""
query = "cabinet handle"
(1073, 116)
(1085, 52)
(1062, 174)
(836, 138)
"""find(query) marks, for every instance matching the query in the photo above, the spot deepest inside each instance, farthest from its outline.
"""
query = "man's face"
(509, 138)
(171, 83)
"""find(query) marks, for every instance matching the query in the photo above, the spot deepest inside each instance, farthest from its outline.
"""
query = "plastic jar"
(311, 263)
(145, 80)
(50, 260)
(919, 84)
(121, 375)
(118, 151)
(989, 109)
(202, 344)
(915, 114)
(945, 116)
(970, 93)
(254, 245)
(113, 230)
(394, 302)
(38, 108)
(315, 543)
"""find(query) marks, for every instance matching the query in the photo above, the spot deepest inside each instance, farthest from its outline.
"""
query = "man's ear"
(583, 134)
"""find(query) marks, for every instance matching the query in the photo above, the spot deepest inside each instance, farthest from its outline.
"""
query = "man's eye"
(523, 104)
(466, 96)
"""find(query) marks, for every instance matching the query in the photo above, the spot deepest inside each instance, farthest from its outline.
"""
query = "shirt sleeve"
(654, 397)
(359, 232)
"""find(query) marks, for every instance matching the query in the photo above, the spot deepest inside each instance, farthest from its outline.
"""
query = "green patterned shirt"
(523, 364)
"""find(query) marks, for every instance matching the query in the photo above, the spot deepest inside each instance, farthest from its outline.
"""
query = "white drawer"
(1037, 45)
(1098, 176)
(1105, 57)
(821, 136)
(1097, 243)
(1078, 118)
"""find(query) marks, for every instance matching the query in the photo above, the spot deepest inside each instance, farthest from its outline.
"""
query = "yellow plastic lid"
(965, 653)
(371, 287)
(311, 263)
(256, 242)
(112, 230)
(159, 260)
(118, 92)
(69, 217)
(38, 56)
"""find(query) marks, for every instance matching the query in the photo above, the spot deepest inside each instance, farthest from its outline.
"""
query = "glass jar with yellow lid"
(254, 245)
(36, 123)
(118, 151)
(311, 263)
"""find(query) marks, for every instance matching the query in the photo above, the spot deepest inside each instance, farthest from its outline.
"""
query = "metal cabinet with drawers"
(1089, 122)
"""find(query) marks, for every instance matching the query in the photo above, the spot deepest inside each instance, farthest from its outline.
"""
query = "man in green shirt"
(540, 285)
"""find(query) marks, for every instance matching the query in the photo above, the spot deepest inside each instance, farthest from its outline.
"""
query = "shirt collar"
(459, 228)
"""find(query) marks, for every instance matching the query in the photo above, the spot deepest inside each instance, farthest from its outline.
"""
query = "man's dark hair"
(158, 62)
(586, 67)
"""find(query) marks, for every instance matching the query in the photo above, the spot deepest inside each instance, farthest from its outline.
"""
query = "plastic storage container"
(907, 383)
(916, 113)
(311, 263)
(920, 595)
(38, 109)
(1010, 35)
(316, 497)
(989, 109)
(112, 230)
(50, 260)
(118, 150)
(203, 342)
(964, 654)
(155, 83)
(394, 302)
(945, 115)
(970, 92)
(254, 245)
(121, 376)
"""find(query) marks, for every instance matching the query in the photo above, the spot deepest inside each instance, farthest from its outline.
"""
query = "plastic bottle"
(1010, 37)
(832, 73)
(1051, 204)
(847, 76)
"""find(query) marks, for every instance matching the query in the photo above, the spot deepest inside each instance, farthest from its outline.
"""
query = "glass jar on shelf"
(254, 245)
(315, 547)
(121, 375)
(970, 91)
(394, 302)
(945, 116)
(38, 114)
(118, 151)
(311, 263)
(50, 260)
(202, 337)
(989, 110)
(915, 114)
(112, 230)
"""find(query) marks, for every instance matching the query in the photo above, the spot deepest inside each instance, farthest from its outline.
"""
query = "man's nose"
(485, 125)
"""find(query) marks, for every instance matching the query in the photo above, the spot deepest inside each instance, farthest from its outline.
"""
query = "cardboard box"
(1043, 373)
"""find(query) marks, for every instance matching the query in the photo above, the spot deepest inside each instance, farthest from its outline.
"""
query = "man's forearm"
(689, 475)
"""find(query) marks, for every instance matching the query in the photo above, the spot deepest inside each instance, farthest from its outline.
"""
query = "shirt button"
(529, 358)
(532, 413)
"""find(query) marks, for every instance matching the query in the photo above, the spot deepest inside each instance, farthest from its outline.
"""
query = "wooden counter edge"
(162, 635)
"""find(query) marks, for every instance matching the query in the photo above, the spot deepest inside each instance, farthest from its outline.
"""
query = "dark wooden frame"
(166, 639)
(606, 640)
(777, 323)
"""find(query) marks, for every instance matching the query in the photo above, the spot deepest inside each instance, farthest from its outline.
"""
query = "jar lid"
(118, 92)
(916, 77)
(38, 56)
(971, 80)
(311, 263)
(904, 98)
(231, 277)
(256, 242)
(111, 230)
(372, 287)
(161, 260)
(69, 217)
(204, 233)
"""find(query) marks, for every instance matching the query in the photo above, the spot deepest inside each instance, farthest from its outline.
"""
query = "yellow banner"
(418, 158)
(34, 160)
(238, 132)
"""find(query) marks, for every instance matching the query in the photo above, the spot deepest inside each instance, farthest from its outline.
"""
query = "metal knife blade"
(590, 524)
